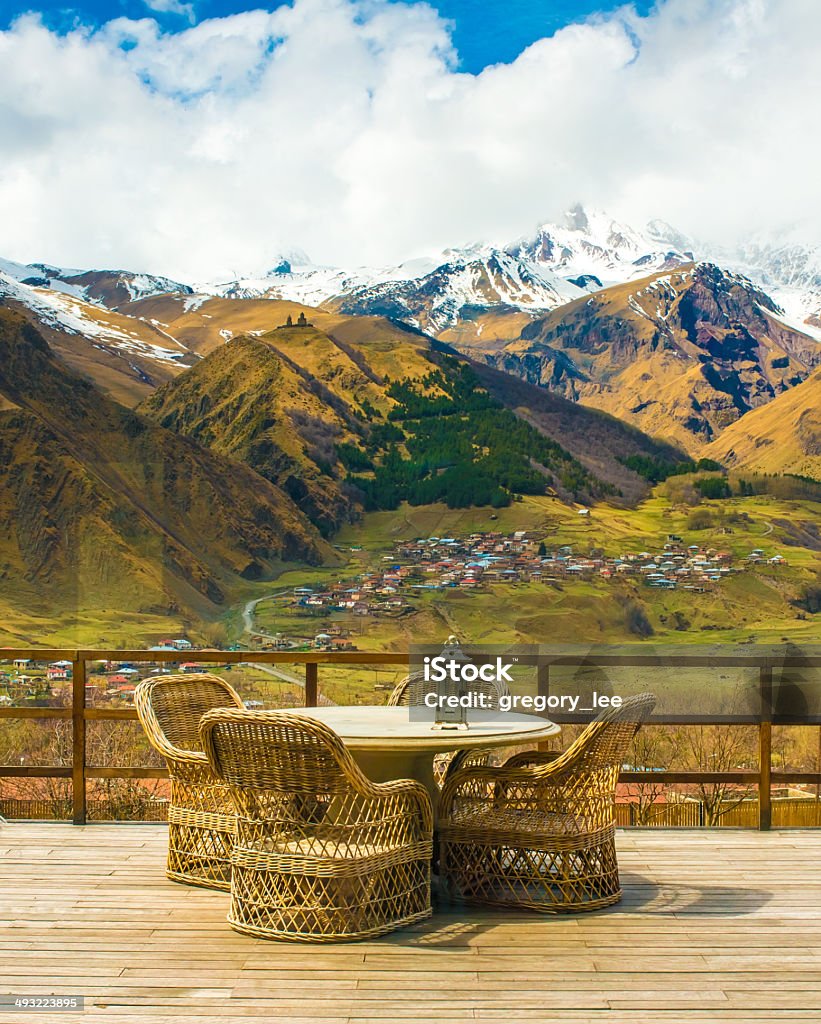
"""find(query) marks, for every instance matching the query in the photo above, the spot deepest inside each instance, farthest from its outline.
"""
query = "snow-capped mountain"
(590, 247)
(461, 294)
(110, 288)
(791, 273)
(470, 282)
(534, 274)
(296, 282)
(126, 354)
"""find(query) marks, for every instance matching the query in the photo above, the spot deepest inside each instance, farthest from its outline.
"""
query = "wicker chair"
(412, 689)
(539, 832)
(322, 853)
(201, 822)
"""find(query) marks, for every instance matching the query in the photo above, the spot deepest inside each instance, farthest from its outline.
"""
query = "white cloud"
(172, 7)
(345, 127)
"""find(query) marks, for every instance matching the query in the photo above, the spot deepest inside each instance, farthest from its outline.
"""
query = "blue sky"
(486, 31)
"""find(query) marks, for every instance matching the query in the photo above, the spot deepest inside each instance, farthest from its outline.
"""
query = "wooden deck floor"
(714, 927)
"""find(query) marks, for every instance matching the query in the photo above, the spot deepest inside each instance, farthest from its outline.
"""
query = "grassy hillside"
(247, 401)
(316, 408)
(104, 514)
(289, 401)
(577, 426)
(782, 437)
(119, 353)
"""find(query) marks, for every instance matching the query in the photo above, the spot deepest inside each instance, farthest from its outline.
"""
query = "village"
(48, 684)
(483, 560)
(477, 562)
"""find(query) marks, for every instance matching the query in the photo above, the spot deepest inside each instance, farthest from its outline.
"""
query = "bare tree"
(653, 747)
(719, 748)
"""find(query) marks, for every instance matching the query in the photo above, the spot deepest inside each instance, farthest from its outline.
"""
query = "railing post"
(765, 748)
(311, 684)
(78, 744)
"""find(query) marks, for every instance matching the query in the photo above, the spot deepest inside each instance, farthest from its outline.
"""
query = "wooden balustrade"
(764, 778)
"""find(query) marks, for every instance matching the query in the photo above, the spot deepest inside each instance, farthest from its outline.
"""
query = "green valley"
(753, 604)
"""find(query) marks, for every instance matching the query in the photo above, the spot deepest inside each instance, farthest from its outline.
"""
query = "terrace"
(715, 925)
(712, 928)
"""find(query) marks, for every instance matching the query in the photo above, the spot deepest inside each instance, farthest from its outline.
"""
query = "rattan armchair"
(322, 853)
(539, 832)
(201, 822)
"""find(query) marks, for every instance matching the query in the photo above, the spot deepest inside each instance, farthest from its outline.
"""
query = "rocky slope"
(681, 354)
(782, 437)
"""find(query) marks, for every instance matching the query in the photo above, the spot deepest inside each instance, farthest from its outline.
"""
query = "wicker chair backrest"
(170, 707)
(605, 742)
(278, 751)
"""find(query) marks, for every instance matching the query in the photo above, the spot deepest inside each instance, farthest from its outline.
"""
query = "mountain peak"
(284, 261)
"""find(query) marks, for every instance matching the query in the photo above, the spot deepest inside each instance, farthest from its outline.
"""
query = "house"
(190, 666)
(182, 644)
(57, 674)
(21, 664)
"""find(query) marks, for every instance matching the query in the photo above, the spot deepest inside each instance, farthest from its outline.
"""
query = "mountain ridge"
(98, 500)
(495, 303)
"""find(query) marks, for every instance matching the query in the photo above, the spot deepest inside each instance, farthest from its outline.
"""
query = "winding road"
(250, 608)
(272, 670)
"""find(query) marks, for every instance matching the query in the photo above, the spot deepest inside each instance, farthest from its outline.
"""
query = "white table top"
(369, 727)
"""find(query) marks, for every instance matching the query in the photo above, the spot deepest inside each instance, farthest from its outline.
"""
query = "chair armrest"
(473, 757)
(526, 757)
(398, 788)
(189, 757)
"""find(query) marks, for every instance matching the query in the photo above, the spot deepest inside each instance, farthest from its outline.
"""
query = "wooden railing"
(80, 714)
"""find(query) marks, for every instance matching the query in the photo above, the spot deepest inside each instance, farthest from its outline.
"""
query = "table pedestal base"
(387, 766)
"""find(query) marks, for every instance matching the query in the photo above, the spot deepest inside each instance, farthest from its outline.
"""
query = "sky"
(201, 138)
(483, 31)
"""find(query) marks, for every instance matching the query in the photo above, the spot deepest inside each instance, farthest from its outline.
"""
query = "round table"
(388, 744)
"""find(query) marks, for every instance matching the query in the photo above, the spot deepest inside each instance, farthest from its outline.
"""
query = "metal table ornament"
(450, 713)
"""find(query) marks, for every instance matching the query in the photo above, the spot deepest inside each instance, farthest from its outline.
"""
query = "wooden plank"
(35, 712)
(718, 927)
(765, 748)
(311, 684)
(125, 772)
(267, 657)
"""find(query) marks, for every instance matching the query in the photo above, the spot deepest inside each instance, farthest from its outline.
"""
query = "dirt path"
(250, 607)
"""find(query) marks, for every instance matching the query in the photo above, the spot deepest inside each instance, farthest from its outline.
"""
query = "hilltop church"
(301, 321)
